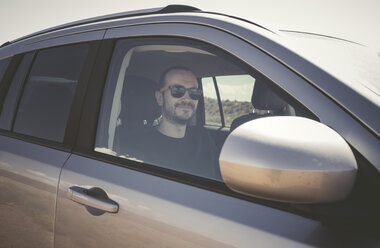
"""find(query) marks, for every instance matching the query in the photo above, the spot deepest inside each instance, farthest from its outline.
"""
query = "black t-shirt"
(195, 153)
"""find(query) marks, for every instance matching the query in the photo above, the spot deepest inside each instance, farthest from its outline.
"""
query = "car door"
(109, 196)
(38, 90)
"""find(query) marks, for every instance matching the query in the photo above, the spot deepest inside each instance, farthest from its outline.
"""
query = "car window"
(46, 100)
(161, 95)
(235, 92)
(11, 99)
(212, 108)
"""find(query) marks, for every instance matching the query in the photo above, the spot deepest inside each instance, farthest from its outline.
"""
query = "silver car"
(176, 127)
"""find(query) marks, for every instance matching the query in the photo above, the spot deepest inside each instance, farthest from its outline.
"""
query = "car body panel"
(28, 180)
(155, 212)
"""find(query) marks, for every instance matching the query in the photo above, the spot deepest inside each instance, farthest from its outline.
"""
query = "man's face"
(178, 110)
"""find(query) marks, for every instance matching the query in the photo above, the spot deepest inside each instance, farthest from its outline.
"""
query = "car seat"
(263, 98)
(139, 108)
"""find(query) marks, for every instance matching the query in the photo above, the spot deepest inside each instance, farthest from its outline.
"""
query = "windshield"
(355, 65)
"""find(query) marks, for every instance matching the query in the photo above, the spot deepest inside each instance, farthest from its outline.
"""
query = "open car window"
(132, 116)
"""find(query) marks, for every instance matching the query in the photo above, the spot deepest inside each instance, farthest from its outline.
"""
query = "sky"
(354, 20)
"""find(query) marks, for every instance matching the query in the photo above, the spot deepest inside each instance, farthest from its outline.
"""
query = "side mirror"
(288, 159)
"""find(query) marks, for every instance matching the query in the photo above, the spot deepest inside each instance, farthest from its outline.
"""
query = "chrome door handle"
(83, 196)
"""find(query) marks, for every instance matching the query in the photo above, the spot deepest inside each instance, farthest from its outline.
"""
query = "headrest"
(138, 99)
(264, 98)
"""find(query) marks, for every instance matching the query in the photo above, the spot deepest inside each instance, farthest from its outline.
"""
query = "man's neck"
(170, 129)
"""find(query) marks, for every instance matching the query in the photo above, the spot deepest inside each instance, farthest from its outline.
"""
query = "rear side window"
(10, 102)
(234, 93)
(49, 90)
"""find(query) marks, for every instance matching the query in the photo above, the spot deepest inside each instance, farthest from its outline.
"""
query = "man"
(173, 143)
(178, 98)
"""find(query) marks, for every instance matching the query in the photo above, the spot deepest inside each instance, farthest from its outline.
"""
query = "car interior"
(134, 107)
(266, 103)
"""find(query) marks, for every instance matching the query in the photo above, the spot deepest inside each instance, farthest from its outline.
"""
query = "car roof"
(115, 16)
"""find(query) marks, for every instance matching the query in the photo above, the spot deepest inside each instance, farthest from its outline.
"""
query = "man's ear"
(159, 98)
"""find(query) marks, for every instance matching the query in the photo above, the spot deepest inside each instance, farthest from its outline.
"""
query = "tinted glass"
(49, 90)
(13, 93)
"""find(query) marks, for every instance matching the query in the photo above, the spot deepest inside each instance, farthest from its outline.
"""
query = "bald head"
(174, 72)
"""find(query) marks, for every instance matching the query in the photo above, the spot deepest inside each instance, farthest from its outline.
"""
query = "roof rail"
(164, 10)
(178, 8)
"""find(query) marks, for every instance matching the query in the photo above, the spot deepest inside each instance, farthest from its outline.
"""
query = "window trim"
(8, 77)
(87, 127)
(38, 141)
(28, 60)
(73, 120)
(21, 92)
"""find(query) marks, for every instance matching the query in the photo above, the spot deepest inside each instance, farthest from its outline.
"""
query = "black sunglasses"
(179, 91)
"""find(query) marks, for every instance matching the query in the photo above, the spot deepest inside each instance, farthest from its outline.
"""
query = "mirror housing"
(288, 159)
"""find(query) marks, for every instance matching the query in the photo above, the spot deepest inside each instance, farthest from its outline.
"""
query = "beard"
(180, 113)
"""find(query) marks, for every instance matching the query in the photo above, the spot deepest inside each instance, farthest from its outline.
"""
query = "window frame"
(8, 77)
(20, 77)
(77, 101)
(88, 130)
(135, 42)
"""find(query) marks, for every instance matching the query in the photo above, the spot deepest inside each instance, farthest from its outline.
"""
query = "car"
(287, 128)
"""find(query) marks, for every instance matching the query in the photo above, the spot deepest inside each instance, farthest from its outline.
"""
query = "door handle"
(95, 198)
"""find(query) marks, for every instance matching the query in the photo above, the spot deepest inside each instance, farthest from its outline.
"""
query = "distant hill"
(231, 110)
